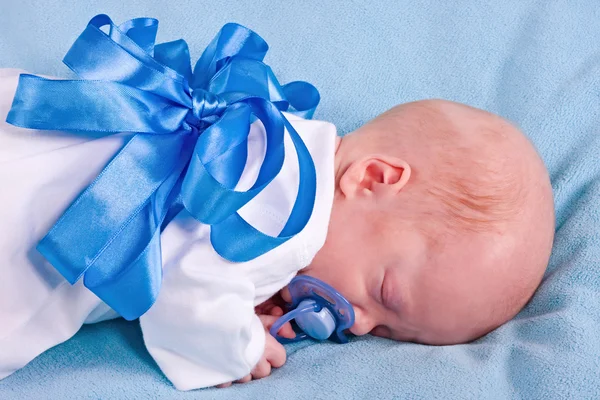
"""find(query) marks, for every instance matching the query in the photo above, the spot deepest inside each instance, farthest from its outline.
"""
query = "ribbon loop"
(232, 40)
(188, 150)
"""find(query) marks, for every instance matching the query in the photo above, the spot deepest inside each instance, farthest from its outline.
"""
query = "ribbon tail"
(135, 288)
(97, 217)
(91, 106)
(132, 289)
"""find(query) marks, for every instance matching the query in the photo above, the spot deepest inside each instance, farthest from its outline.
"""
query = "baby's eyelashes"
(392, 293)
(384, 291)
(381, 292)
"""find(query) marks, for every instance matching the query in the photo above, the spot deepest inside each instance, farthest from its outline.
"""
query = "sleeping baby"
(441, 227)
(435, 221)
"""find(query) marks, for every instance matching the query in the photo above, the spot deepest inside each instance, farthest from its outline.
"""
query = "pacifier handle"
(314, 307)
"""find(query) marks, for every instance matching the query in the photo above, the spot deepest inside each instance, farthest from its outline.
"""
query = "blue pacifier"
(318, 309)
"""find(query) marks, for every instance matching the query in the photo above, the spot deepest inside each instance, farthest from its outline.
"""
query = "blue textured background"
(534, 62)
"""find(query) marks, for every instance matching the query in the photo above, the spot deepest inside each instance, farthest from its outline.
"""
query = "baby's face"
(394, 278)
(399, 286)
(429, 279)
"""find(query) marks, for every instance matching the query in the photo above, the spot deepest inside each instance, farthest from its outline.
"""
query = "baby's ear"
(375, 174)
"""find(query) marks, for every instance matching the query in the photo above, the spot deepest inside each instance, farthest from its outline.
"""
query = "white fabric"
(202, 330)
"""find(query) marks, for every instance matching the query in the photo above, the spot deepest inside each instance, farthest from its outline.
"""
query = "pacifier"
(318, 310)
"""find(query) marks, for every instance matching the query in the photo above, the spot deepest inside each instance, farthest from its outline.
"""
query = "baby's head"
(442, 223)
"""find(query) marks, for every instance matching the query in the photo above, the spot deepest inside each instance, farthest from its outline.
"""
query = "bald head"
(480, 198)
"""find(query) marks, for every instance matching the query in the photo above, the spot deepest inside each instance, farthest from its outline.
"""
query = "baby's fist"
(274, 355)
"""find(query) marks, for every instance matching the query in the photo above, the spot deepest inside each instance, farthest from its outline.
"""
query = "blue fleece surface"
(536, 63)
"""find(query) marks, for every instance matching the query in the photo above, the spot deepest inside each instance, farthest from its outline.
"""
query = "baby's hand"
(274, 306)
(274, 355)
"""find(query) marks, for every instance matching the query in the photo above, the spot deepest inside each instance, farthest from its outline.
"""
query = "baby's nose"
(362, 323)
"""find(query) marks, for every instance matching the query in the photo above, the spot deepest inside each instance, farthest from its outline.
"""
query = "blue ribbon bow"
(189, 150)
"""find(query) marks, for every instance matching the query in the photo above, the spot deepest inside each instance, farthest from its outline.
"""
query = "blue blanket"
(536, 63)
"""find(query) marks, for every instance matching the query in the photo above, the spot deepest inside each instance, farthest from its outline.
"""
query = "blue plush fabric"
(536, 63)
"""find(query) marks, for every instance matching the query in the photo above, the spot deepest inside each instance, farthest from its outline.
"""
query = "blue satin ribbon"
(189, 150)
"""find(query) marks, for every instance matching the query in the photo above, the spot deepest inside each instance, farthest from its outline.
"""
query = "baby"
(441, 228)
(435, 221)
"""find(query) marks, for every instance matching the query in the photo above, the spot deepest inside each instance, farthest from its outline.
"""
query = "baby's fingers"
(245, 379)
(274, 352)
(286, 329)
(276, 311)
(262, 369)
(269, 309)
